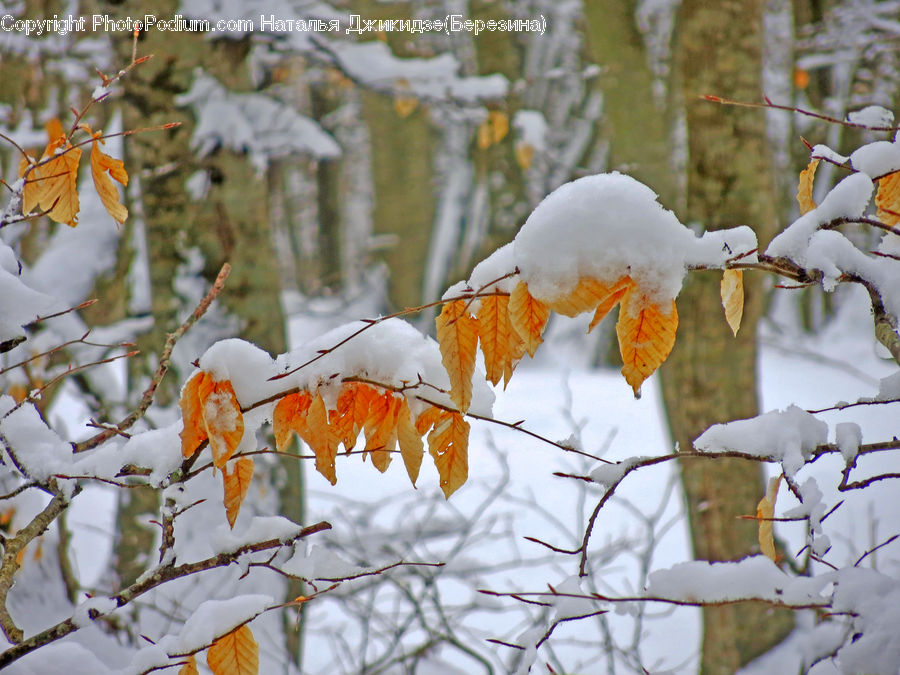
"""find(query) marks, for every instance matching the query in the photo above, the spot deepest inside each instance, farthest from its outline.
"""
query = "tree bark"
(711, 376)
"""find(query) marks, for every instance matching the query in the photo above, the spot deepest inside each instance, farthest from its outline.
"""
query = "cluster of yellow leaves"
(385, 419)
(52, 185)
(212, 415)
(493, 129)
(509, 326)
(236, 653)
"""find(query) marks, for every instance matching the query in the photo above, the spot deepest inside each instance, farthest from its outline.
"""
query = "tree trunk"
(711, 376)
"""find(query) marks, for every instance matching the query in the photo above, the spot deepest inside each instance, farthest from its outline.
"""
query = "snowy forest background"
(344, 177)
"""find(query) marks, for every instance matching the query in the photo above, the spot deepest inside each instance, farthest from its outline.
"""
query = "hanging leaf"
(381, 430)
(427, 419)
(805, 187)
(194, 431)
(237, 483)
(448, 444)
(234, 654)
(411, 446)
(189, 667)
(404, 102)
(732, 292)
(457, 334)
(616, 293)
(56, 182)
(320, 438)
(887, 199)
(500, 343)
(498, 121)
(352, 410)
(524, 154)
(646, 335)
(528, 317)
(766, 510)
(222, 418)
(290, 417)
(101, 165)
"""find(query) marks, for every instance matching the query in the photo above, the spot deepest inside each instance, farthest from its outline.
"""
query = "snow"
(788, 436)
(826, 153)
(218, 617)
(872, 116)
(877, 159)
(848, 436)
(261, 528)
(19, 303)
(608, 475)
(97, 606)
(37, 448)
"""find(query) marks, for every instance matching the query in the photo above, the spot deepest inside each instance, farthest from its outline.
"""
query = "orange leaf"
(766, 509)
(888, 199)
(457, 334)
(222, 419)
(499, 123)
(404, 102)
(101, 164)
(616, 293)
(448, 444)
(189, 667)
(646, 336)
(524, 154)
(805, 186)
(410, 440)
(321, 438)
(427, 419)
(583, 298)
(500, 343)
(289, 417)
(732, 292)
(32, 194)
(528, 317)
(352, 410)
(236, 485)
(381, 429)
(234, 654)
(194, 432)
(55, 185)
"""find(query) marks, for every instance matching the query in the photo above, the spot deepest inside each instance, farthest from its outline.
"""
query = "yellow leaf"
(804, 188)
(352, 410)
(54, 185)
(584, 297)
(404, 102)
(448, 444)
(888, 199)
(499, 124)
(222, 419)
(32, 193)
(194, 431)
(457, 334)
(381, 430)
(528, 317)
(766, 510)
(484, 136)
(236, 485)
(732, 292)
(101, 164)
(410, 440)
(646, 335)
(616, 293)
(290, 417)
(189, 667)
(320, 438)
(500, 343)
(234, 654)
(427, 419)
(524, 154)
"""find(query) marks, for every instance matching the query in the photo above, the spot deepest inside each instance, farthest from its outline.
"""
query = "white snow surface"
(788, 436)
(872, 116)
(877, 159)
(606, 226)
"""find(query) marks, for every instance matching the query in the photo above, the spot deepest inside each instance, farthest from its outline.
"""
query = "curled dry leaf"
(54, 185)
(410, 440)
(290, 417)
(805, 187)
(102, 167)
(236, 483)
(457, 334)
(189, 667)
(210, 411)
(732, 291)
(236, 653)
(381, 430)
(765, 510)
(321, 439)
